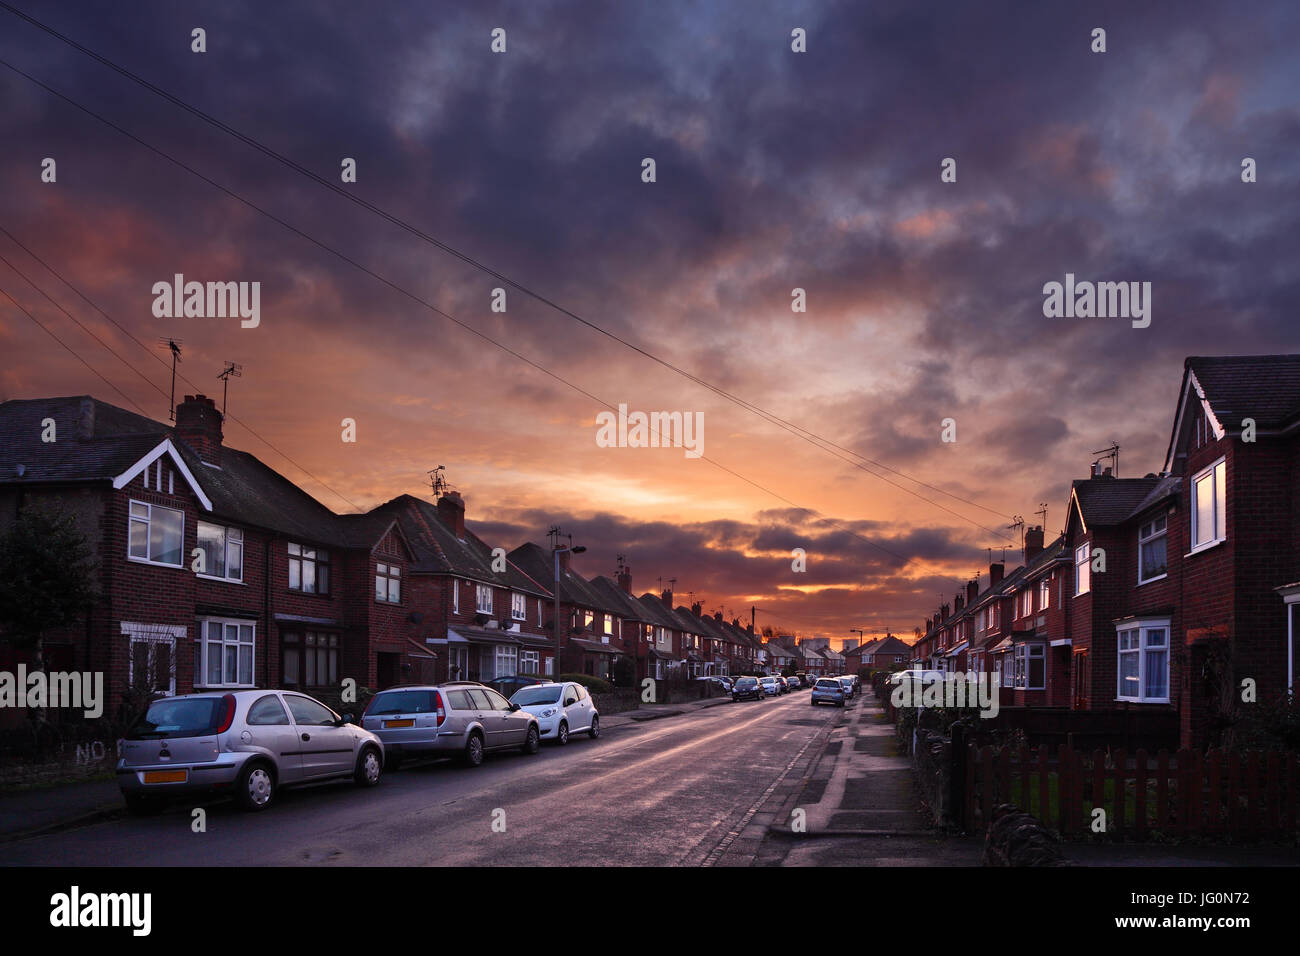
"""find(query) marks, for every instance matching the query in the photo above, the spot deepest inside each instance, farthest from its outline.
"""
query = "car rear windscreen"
(179, 717)
(403, 702)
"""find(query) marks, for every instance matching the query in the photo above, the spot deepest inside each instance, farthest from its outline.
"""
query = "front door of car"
(326, 749)
(268, 727)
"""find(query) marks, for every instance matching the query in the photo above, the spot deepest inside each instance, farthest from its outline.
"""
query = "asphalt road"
(670, 792)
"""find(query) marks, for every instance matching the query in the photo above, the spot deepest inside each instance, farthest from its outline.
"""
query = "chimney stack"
(451, 509)
(972, 589)
(696, 608)
(958, 602)
(1033, 543)
(995, 573)
(667, 597)
(198, 424)
(625, 579)
(86, 418)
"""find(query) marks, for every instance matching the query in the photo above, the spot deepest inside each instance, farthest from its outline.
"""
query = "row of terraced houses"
(1168, 595)
(216, 572)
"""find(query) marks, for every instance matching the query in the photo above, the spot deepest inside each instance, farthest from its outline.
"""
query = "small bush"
(594, 685)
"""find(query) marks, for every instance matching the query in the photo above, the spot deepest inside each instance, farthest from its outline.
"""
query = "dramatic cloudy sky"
(775, 170)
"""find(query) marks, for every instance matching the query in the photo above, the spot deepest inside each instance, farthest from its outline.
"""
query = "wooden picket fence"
(1215, 795)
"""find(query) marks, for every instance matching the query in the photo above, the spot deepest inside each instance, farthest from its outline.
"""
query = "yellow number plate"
(166, 776)
(398, 723)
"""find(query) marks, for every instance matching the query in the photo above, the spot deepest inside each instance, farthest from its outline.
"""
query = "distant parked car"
(506, 686)
(771, 686)
(924, 675)
(747, 688)
(560, 709)
(247, 743)
(459, 717)
(792, 683)
(828, 690)
(847, 681)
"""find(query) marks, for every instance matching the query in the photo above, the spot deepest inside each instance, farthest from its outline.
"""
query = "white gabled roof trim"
(165, 447)
(1219, 430)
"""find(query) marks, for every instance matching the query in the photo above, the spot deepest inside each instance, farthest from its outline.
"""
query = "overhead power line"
(798, 431)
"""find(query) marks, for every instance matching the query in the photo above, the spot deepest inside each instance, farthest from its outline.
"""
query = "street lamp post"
(555, 675)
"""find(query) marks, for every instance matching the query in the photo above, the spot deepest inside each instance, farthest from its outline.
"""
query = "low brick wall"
(617, 701)
(67, 762)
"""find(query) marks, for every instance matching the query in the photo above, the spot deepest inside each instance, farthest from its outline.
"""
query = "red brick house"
(214, 571)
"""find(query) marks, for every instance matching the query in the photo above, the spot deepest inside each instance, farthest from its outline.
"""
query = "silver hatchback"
(247, 743)
(460, 717)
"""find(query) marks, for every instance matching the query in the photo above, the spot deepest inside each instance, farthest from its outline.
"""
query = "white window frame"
(480, 592)
(137, 633)
(609, 625)
(391, 575)
(1083, 569)
(1217, 474)
(1020, 664)
(202, 649)
(1044, 592)
(1147, 539)
(505, 655)
(455, 595)
(1143, 651)
(519, 606)
(147, 521)
(1027, 602)
(530, 662)
(231, 538)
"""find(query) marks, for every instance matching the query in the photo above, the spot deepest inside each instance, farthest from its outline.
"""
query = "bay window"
(1143, 661)
(310, 659)
(1030, 667)
(225, 652)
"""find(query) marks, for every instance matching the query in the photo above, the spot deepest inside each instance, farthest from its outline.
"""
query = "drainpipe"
(266, 611)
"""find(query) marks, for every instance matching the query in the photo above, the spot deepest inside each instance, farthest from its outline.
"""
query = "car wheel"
(533, 741)
(474, 750)
(137, 804)
(255, 787)
(594, 730)
(369, 767)
(562, 733)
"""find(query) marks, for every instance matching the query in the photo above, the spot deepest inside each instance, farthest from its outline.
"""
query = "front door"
(1079, 695)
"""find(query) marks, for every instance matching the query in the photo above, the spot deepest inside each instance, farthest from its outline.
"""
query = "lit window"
(519, 608)
(1082, 569)
(1209, 506)
(483, 599)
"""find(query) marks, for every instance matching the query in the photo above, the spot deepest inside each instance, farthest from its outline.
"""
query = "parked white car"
(560, 709)
(922, 674)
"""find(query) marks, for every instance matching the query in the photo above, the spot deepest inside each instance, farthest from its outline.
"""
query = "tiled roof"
(438, 550)
(622, 603)
(243, 489)
(538, 563)
(1263, 387)
(1111, 501)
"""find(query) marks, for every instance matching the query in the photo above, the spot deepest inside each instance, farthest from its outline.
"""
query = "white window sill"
(156, 564)
(1159, 577)
(1142, 700)
(213, 577)
(1205, 547)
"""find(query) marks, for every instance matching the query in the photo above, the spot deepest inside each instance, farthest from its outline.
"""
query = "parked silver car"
(247, 743)
(459, 717)
(828, 690)
(560, 709)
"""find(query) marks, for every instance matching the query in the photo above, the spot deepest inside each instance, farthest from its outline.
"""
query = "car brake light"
(438, 708)
(228, 717)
